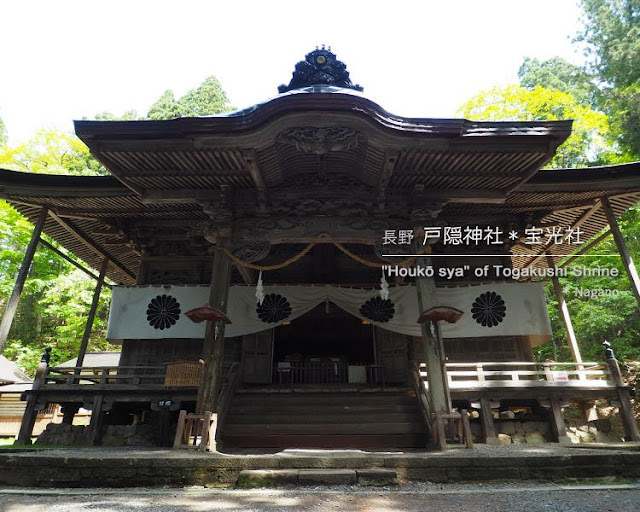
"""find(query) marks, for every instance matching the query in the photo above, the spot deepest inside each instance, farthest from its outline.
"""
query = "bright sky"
(65, 59)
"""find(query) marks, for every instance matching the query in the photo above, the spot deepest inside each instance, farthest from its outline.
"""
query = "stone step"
(362, 441)
(315, 409)
(239, 429)
(324, 399)
(286, 417)
(250, 478)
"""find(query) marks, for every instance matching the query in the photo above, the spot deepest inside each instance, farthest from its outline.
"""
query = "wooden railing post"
(178, 440)
(32, 408)
(626, 411)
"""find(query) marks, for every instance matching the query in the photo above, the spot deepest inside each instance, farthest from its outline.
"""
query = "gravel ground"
(419, 497)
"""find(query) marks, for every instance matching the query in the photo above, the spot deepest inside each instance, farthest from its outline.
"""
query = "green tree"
(56, 296)
(611, 38)
(587, 143)
(129, 115)
(209, 98)
(557, 74)
(52, 152)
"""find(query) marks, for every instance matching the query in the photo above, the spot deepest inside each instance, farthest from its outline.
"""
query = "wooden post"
(566, 320)
(631, 432)
(466, 428)
(182, 419)
(92, 314)
(558, 426)
(438, 429)
(12, 305)
(622, 248)
(32, 408)
(433, 355)
(93, 432)
(214, 335)
(488, 426)
(68, 413)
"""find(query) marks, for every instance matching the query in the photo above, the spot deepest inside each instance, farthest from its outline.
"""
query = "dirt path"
(409, 498)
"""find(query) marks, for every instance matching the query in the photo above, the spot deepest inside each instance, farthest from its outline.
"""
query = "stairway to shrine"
(361, 419)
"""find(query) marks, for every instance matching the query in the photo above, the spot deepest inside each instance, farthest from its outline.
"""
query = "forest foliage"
(602, 96)
(57, 296)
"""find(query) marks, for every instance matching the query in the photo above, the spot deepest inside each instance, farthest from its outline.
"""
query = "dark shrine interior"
(325, 332)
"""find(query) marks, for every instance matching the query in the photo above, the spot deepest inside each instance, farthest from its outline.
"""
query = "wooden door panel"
(391, 351)
(257, 355)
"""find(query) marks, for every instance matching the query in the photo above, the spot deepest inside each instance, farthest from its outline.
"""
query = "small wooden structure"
(196, 431)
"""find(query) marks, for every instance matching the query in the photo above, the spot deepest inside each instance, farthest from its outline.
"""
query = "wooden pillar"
(622, 248)
(488, 426)
(93, 432)
(558, 426)
(631, 432)
(433, 349)
(566, 318)
(214, 334)
(68, 413)
(12, 305)
(33, 406)
(92, 314)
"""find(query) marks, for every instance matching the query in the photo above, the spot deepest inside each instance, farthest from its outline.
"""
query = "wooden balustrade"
(525, 374)
(105, 375)
(423, 396)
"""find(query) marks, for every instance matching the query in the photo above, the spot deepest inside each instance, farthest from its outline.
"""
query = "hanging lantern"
(260, 290)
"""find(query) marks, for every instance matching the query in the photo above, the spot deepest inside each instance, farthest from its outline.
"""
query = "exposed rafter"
(251, 162)
(89, 244)
(546, 249)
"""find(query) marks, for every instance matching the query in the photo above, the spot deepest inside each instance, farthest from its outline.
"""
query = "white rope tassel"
(259, 289)
(384, 287)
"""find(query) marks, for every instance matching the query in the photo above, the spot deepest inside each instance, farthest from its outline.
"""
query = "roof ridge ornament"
(320, 67)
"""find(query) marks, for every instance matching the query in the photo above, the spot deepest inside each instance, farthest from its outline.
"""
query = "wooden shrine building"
(281, 216)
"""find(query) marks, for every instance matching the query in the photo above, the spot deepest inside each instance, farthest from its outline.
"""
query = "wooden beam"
(390, 159)
(473, 196)
(566, 318)
(46, 244)
(90, 245)
(578, 223)
(587, 248)
(627, 261)
(180, 196)
(12, 305)
(92, 314)
(251, 161)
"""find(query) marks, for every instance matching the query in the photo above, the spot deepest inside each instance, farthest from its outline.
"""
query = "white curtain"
(519, 309)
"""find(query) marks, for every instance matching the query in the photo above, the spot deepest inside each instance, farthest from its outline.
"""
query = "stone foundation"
(138, 468)
(60, 434)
